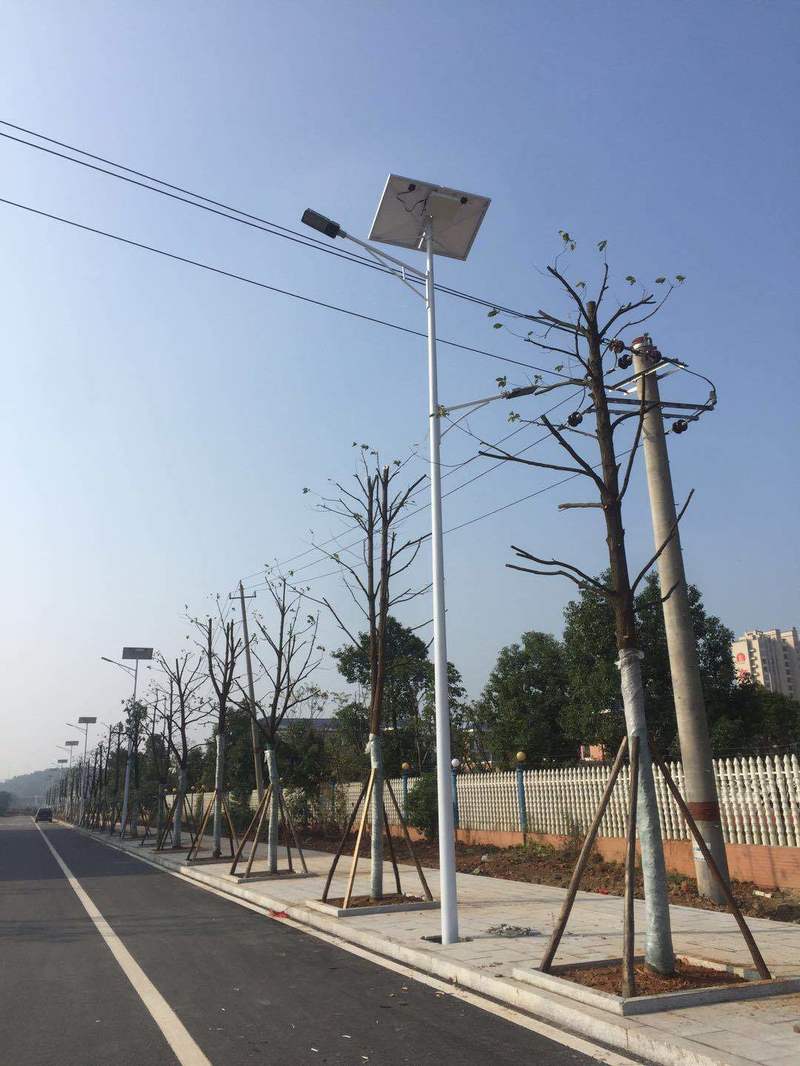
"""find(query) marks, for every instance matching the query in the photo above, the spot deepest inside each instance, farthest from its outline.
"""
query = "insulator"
(680, 425)
(575, 419)
(625, 360)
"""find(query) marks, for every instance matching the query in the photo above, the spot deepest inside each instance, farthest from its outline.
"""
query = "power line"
(234, 214)
(457, 488)
(186, 260)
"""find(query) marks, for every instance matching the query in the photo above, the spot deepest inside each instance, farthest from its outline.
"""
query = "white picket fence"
(759, 799)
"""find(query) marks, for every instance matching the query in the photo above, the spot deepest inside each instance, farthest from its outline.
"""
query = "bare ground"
(544, 865)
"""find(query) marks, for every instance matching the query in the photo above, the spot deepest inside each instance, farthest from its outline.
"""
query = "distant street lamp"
(439, 221)
(137, 654)
(85, 721)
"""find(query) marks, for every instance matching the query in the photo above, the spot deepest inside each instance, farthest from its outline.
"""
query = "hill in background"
(30, 787)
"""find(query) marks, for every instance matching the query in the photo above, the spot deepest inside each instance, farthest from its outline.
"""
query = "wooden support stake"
(284, 814)
(288, 819)
(362, 823)
(256, 818)
(628, 931)
(583, 858)
(167, 824)
(233, 838)
(264, 806)
(391, 851)
(756, 955)
(195, 847)
(340, 849)
(427, 891)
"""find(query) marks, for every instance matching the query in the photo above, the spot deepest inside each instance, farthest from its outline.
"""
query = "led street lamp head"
(322, 224)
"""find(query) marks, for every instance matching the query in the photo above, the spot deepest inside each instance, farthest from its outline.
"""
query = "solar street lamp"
(136, 654)
(439, 221)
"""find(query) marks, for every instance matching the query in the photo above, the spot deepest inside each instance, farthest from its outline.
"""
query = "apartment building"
(771, 657)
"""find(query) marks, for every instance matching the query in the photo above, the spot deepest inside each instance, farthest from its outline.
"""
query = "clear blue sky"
(159, 423)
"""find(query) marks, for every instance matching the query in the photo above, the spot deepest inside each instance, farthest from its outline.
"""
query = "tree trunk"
(658, 942)
(275, 809)
(658, 939)
(376, 841)
(177, 818)
(218, 777)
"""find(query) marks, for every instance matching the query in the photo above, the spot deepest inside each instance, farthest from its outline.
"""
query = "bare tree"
(290, 657)
(595, 343)
(182, 710)
(376, 506)
(221, 648)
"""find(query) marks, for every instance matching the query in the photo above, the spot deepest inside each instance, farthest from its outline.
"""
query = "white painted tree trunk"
(376, 843)
(177, 818)
(275, 809)
(218, 776)
(658, 940)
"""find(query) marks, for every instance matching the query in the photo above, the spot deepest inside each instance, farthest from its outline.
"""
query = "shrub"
(423, 813)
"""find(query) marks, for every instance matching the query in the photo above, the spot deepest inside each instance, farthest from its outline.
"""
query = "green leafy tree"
(408, 698)
(423, 809)
(522, 705)
(741, 715)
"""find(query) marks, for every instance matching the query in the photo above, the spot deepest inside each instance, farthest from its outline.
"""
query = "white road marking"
(175, 1033)
(525, 1021)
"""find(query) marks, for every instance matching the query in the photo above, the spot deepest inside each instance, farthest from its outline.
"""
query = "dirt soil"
(367, 901)
(648, 983)
(544, 865)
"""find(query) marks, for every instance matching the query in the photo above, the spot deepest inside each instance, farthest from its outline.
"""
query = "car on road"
(44, 814)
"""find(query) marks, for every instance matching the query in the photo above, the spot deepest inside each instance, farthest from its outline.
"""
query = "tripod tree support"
(364, 796)
(194, 850)
(583, 858)
(343, 842)
(756, 955)
(260, 816)
(168, 825)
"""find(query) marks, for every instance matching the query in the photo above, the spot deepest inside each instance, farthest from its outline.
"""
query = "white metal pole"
(447, 852)
(124, 816)
(84, 772)
(258, 757)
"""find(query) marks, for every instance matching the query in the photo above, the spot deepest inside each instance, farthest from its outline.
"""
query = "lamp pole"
(258, 757)
(407, 214)
(129, 761)
(136, 654)
(447, 852)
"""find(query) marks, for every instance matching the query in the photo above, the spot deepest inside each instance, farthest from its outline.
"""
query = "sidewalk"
(758, 1031)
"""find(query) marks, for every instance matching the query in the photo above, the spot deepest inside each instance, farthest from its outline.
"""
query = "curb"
(621, 1033)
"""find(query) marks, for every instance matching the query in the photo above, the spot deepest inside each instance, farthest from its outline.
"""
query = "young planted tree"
(592, 340)
(289, 657)
(182, 710)
(376, 505)
(222, 649)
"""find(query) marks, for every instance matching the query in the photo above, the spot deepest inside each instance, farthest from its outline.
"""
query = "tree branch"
(667, 539)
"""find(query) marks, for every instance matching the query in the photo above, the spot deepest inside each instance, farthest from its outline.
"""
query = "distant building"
(771, 657)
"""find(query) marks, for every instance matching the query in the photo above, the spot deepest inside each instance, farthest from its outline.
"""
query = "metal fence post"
(455, 763)
(522, 809)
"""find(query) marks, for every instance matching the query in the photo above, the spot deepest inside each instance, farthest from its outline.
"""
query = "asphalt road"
(248, 989)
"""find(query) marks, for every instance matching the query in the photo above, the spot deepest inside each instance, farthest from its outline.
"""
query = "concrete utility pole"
(257, 755)
(687, 689)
